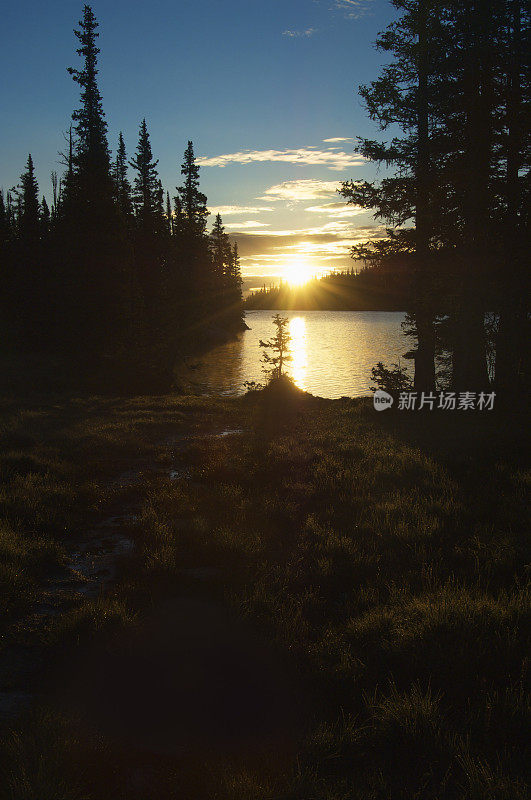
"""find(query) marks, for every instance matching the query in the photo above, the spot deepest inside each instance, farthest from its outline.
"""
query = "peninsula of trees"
(113, 274)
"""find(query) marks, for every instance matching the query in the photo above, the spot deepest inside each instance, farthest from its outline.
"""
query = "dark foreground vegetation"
(325, 602)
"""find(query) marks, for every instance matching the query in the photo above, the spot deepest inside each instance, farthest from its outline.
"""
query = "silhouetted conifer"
(123, 187)
(92, 149)
(29, 214)
(146, 182)
(220, 249)
(193, 201)
(191, 236)
(96, 254)
(169, 215)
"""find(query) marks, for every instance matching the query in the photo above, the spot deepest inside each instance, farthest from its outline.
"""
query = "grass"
(381, 556)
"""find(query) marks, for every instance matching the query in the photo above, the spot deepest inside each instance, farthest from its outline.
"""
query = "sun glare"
(298, 350)
(297, 273)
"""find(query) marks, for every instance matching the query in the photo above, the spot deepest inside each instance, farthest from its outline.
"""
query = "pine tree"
(96, 258)
(472, 35)
(406, 94)
(422, 169)
(220, 250)
(123, 187)
(178, 226)
(236, 273)
(193, 201)
(146, 182)
(7, 297)
(57, 188)
(169, 215)
(279, 344)
(512, 83)
(190, 229)
(4, 222)
(235, 291)
(226, 277)
(92, 152)
(29, 215)
(151, 241)
(27, 282)
(159, 206)
(457, 78)
(44, 218)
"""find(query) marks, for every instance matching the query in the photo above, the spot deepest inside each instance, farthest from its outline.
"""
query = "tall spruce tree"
(4, 222)
(7, 297)
(169, 214)
(29, 219)
(406, 95)
(146, 182)
(28, 285)
(193, 201)
(235, 290)
(512, 84)
(123, 186)
(225, 267)
(44, 217)
(190, 231)
(92, 150)
(96, 255)
(151, 245)
(220, 249)
(472, 55)
(472, 29)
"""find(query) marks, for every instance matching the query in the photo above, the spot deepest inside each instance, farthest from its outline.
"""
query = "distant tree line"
(377, 287)
(113, 275)
(456, 87)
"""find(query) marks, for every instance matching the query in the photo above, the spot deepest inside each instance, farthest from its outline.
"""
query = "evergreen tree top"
(146, 184)
(28, 202)
(193, 201)
(91, 127)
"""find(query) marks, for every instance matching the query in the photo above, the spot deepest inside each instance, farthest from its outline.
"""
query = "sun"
(297, 273)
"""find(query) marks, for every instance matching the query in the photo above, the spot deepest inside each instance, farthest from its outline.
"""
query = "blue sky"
(258, 86)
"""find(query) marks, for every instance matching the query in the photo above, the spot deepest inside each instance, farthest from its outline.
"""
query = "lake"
(333, 352)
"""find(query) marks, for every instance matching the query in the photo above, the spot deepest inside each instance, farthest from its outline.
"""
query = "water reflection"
(218, 372)
(298, 365)
(333, 353)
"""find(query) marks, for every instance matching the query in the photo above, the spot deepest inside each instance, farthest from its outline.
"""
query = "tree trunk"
(512, 348)
(470, 366)
(423, 312)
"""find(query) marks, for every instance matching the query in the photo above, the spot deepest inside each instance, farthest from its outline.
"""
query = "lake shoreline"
(333, 353)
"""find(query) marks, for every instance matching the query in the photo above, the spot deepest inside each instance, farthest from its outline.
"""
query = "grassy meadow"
(321, 603)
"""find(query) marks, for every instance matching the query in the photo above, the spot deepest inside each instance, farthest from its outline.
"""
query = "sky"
(267, 92)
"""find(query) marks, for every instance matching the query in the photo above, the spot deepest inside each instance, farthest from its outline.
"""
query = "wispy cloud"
(322, 246)
(303, 189)
(353, 9)
(299, 34)
(329, 158)
(226, 211)
(337, 210)
(339, 139)
(240, 226)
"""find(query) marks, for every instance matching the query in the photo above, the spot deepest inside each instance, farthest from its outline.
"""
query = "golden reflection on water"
(333, 353)
(298, 365)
